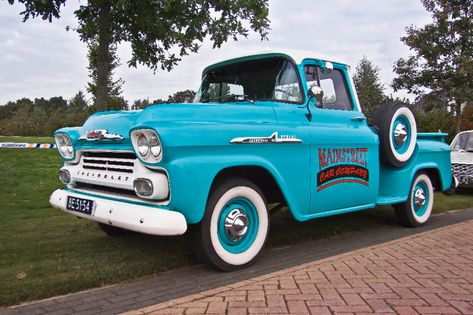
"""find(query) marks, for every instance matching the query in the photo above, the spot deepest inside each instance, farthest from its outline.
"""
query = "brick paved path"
(427, 273)
(139, 293)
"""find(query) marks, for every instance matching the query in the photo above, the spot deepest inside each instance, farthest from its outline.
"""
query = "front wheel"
(235, 225)
(418, 207)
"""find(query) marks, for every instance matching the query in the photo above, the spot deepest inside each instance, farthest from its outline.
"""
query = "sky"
(42, 59)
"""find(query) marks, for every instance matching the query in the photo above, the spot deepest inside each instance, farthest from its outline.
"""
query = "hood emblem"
(273, 138)
(100, 134)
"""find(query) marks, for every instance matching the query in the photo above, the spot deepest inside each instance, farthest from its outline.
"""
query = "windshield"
(464, 141)
(268, 79)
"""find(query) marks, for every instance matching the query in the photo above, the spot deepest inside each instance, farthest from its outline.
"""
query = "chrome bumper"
(138, 218)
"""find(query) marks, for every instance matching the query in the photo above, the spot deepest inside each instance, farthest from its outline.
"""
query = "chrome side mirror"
(318, 93)
(328, 67)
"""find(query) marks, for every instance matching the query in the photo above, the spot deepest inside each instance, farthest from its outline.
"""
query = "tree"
(78, 102)
(443, 55)
(159, 32)
(140, 104)
(103, 86)
(186, 96)
(369, 87)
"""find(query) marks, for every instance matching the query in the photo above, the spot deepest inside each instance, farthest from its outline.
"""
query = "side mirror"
(318, 93)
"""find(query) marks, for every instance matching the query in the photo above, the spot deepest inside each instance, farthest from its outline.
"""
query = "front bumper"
(138, 218)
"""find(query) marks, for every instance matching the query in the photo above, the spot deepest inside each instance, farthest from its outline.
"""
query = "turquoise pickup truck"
(264, 131)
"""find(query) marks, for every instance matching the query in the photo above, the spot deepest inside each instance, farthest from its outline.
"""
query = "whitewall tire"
(397, 130)
(235, 226)
(417, 209)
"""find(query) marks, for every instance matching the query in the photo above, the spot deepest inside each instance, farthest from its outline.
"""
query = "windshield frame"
(257, 57)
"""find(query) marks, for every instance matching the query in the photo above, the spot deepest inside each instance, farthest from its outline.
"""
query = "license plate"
(80, 205)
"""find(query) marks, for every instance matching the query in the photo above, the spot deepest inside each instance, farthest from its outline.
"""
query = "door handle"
(359, 118)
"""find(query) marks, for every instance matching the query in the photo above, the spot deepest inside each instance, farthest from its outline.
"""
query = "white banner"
(14, 145)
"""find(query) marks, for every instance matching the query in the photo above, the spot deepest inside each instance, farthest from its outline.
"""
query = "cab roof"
(297, 56)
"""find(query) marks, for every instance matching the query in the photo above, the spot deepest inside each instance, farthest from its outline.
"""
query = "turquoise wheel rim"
(420, 210)
(243, 243)
(401, 149)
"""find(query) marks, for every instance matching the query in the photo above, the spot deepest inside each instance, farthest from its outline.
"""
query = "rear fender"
(431, 157)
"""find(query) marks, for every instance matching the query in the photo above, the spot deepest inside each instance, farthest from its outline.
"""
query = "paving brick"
(216, 307)
(237, 311)
(297, 307)
(320, 310)
(436, 310)
(463, 307)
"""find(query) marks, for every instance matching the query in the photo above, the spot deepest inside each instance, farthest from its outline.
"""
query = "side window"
(333, 85)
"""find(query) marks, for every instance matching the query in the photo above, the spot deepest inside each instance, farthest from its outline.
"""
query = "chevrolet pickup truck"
(264, 131)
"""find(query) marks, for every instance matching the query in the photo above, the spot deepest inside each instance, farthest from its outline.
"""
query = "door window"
(333, 85)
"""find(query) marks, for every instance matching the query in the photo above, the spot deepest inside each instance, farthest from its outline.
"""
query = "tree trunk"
(458, 116)
(103, 55)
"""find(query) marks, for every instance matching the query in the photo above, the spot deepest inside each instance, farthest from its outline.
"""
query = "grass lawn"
(27, 139)
(44, 252)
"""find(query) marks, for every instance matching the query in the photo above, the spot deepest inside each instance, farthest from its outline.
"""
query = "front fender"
(191, 179)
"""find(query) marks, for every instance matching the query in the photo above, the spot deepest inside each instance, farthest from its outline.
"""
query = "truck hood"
(462, 157)
(173, 115)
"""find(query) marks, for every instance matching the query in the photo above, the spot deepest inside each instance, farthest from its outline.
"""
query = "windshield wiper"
(243, 98)
(232, 98)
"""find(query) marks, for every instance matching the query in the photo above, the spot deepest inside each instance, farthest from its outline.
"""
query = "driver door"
(344, 152)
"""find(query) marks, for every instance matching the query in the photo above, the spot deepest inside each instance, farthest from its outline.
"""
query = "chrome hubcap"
(400, 134)
(236, 224)
(419, 198)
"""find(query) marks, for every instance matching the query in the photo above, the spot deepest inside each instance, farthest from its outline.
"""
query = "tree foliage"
(369, 88)
(41, 117)
(443, 54)
(186, 96)
(159, 32)
(113, 88)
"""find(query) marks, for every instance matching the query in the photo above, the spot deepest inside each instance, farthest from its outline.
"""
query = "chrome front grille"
(463, 172)
(462, 169)
(122, 162)
(113, 173)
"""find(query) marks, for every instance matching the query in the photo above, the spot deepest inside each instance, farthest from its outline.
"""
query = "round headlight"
(147, 145)
(155, 146)
(143, 145)
(64, 145)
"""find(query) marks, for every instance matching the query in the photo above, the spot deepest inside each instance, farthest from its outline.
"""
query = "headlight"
(143, 145)
(155, 146)
(64, 145)
(147, 144)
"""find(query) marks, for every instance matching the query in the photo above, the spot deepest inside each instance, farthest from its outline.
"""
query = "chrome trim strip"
(273, 138)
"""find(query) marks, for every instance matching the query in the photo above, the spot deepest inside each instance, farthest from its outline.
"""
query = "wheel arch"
(257, 174)
(434, 175)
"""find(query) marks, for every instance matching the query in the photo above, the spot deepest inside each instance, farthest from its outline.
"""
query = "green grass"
(45, 252)
(27, 139)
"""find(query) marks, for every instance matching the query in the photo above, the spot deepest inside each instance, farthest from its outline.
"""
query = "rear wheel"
(235, 225)
(417, 209)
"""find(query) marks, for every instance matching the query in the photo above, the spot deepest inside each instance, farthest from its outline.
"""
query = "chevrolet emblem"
(100, 134)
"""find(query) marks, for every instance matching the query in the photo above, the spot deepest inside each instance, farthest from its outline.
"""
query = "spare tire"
(397, 132)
